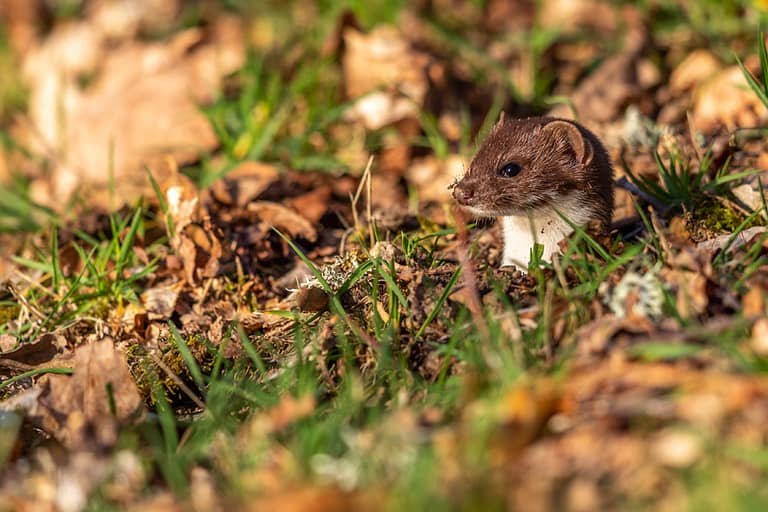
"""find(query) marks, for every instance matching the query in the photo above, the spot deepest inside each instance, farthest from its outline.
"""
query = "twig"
(177, 380)
(630, 187)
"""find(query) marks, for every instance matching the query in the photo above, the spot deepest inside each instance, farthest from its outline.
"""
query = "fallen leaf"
(284, 219)
(244, 183)
(759, 340)
(142, 106)
(571, 15)
(733, 243)
(312, 205)
(604, 95)
(382, 58)
(183, 201)
(726, 101)
(160, 301)
(432, 177)
(751, 191)
(30, 355)
(753, 302)
(695, 68)
(88, 408)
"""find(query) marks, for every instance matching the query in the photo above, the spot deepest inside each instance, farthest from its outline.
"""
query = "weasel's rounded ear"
(567, 132)
(502, 118)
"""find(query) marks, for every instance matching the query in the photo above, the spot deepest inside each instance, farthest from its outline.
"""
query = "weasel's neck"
(543, 226)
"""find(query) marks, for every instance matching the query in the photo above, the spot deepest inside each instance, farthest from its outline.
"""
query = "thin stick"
(356, 197)
(177, 380)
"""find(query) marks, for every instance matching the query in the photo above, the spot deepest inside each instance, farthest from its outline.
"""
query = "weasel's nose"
(463, 195)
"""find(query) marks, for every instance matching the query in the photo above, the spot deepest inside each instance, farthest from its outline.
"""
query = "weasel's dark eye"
(510, 170)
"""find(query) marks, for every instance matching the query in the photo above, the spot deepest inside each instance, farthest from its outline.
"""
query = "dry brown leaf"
(432, 177)
(122, 19)
(78, 409)
(605, 94)
(141, 107)
(697, 67)
(759, 340)
(511, 15)
(597, 337)
(571, 15)
(200, 252)
(312, 205)
(5, 174)
(726, 101)
(21, 19)
(520, 414)
(383, 58)
(692, 297)
(183, 200)
(244, 183)
(30, 355)
(720, 242)
(284, 219)
(160, 301)
(7, 343)
(309, 499)
(753, 303)
(751, 191)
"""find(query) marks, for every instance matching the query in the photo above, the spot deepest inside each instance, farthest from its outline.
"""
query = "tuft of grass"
(759, 88)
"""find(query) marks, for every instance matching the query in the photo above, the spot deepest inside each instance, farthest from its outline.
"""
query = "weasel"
(528, 170)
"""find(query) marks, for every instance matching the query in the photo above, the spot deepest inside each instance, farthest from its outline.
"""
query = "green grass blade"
(36, 371)
(440, 301)
(189, 359)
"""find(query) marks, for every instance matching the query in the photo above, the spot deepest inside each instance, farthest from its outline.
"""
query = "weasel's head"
(528, 164)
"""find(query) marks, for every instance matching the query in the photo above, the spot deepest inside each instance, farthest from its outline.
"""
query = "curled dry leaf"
(284, 219)
(86, 409)
(183, 202)
(200, 252)
(31, 355)
(244, 183)
(160, 301)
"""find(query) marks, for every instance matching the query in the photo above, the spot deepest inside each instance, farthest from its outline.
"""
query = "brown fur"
(557, 156)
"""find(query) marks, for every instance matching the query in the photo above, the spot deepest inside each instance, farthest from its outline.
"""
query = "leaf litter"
(209, 331)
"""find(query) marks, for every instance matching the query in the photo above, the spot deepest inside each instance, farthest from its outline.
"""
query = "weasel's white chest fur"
(543, 226)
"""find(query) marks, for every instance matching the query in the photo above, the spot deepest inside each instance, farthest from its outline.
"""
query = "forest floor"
(232, 273)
